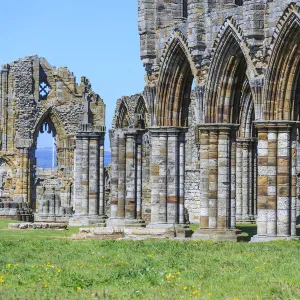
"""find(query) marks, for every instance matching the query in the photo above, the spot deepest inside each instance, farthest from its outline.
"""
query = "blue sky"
(93, 38)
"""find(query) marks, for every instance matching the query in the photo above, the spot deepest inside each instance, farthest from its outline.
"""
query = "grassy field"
(49, 265)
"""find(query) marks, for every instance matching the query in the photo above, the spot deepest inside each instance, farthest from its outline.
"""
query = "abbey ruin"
(213, 138)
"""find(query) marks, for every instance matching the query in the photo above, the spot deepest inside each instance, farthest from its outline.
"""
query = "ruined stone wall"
(35, 96)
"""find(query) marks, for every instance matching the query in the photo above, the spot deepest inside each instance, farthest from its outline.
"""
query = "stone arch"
(174, 84)
(230, 68)
(282, 84)
(52, 118)
(141, 113)
(246, 115)
(122, 117)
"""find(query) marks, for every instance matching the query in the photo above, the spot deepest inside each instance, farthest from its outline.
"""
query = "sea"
(44, 158)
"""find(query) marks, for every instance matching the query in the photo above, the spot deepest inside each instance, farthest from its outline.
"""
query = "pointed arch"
(229, 71)
(282, 84)
(174, 84)
(141, 113)
(54, 123)
(122, 117)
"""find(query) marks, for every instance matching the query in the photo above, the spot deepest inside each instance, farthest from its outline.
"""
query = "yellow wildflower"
(8, 266)
(185, 288)
(209, 294)
(102, 256)
(58, 271)
(78, 288)
(45, 285)
(179, 278)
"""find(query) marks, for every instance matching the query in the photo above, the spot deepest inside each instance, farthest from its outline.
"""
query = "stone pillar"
(89, 179)
(167, 176)
(122, 176)
(233, 184)
(139, 178)
(158, 177)
(276, 180)
(244, 180)
(114, 144)
(172, 178)
(85, 176)
(101, 211)
(181, 177)
(204, 175)
(130, 211)
(94, 175)
(126, 178)
(78, 176)
(217, 216)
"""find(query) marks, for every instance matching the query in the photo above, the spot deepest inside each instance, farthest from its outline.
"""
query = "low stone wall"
(53, 226)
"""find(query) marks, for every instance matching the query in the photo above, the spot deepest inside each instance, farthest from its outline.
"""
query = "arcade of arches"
(213, 139)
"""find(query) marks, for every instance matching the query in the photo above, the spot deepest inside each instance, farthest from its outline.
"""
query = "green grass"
(49, 265)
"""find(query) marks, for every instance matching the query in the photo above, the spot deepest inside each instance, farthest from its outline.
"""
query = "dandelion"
(8, 266)
(45, 285)
(235, 298)
(209, 294)
(1, 279)
(178, 273)
(185, 288)
(79, 288)
(199, 295)
(102, 256)
(178, 278)
(58, 271)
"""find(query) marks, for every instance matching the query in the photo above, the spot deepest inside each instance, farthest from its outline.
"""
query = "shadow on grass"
(248, 230)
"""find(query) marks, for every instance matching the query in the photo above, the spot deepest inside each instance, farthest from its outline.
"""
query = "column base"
(122, 222)
(86, 220)
(217, 235)
(267, 238)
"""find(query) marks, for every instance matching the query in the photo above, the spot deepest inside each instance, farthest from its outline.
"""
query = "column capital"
(167, 130)
(276, 124)
(218, 127)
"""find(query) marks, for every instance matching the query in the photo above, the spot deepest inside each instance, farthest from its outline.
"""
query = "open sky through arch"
(94, 38)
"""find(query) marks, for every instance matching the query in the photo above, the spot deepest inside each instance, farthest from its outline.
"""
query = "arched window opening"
(46, 152)
(184, 9)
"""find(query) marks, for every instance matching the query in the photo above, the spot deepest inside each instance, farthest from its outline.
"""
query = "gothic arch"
(174, 84)
(122, 117)
(56, 126)
(141, 113)
(229, 71)
(282, 84)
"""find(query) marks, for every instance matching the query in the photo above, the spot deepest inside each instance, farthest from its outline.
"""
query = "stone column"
(93, 175)
(101, 205)
(217, 217)
(224, 178)
(172, 178)
(85, 175)
(122, 176)
(78, 176)
(139, 177)
(166, 177)
(89, 179)
(276, 180)
(233, 184)
(181, 177)
(130, 211)
(204, 183)
(114, 144)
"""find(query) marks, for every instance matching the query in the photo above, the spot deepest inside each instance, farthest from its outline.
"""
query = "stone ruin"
(213, 138)
(37, 97)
